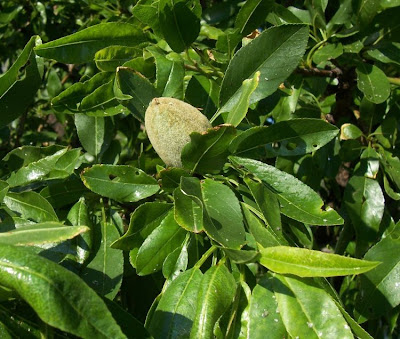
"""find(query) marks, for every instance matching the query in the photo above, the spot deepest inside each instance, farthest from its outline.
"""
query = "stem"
(205, 256)
(311, 52)
(394, 81)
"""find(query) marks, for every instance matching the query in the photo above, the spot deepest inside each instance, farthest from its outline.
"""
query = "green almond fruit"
(169, 123)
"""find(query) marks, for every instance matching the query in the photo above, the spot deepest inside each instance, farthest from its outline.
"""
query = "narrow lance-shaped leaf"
(81, 46)
(41, 233)
(298, 201)
(65, 302)
(121, 183)
(308, 263)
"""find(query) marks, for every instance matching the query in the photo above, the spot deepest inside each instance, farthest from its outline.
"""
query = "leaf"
(216, 292)
(179, 25)
(50, 167)
(367, 10)
(316, 313)
(70, 99)
(188, 212)
(174, 315)
(30, 205)
(298, 201)
(138, 88)
(275, 53)
(386, 52)
(77, 216)
(252, 14)
(365, 203)
(3, 190)
(350, 131)
(121, 183)
(20, 83)
(170, 74)
(327, 52)
(109, 58)
(373, 83)
(95, 133)
(263, 313)
(104, 272)
(308, 263)
(379, 290)
(170, 178)
(62, 193)
(208, 152)
(65, 302)
(143, 221)
(267, 203)
(223, 220)
(177, 261)
(238, 113)
(162, 241)
(41, 233)
(285, 138)
(81, 46)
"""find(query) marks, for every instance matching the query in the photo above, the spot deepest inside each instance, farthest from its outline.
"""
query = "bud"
(169, 123)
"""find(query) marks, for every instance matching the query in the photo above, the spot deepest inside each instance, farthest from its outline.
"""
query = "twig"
(326, 73)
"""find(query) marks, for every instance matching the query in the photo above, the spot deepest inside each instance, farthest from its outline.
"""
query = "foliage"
(282, 220)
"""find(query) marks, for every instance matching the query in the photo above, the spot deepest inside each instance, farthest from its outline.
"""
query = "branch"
(326, 73)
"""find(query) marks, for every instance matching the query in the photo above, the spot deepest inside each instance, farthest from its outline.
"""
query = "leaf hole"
(315, 145)
(276, 145)
(112, 176)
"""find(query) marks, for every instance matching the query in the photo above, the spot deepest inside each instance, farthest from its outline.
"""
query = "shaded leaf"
(373, 83)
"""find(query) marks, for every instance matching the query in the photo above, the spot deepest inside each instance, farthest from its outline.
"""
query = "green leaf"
(3, 190)
(59, 165)
(82, 46)
(65, 302)
(267, 203)
(367, 10)
(170, 74)
(30, 205)
(386, 52)
(62, 193)
(162, 241)
(216, 292)
(179, 24)
(20, 83)
(252, 15)
(298, 201)
(95, 133)
(316, 313)
(177, 261)
(143, 221)
(140, 90)
(238, 113)
(171, 177)
(40, 234)
(365, 203)
(146, 11)
(308, 263)
(109, 58)
(275, 53)
(208, 152)
(350, 131)
(121, 183)
(379, 290)
(285, 138)
(223, 220)
(104, 272)
(70, 99)
(174, 315)
(188, 212)
(263, 313)
(77, 216)
(373, 83)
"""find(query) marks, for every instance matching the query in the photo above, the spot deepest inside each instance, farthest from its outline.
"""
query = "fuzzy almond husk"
(169, 123)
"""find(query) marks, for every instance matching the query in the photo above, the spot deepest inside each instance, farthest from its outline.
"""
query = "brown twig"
(326, 73)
